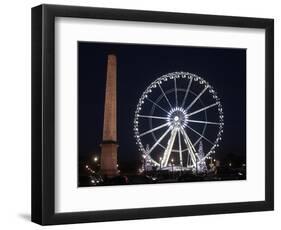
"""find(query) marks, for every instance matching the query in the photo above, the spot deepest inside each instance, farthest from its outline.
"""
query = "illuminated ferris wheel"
(177, 113)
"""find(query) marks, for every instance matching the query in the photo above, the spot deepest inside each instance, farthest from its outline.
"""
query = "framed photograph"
(141, 114)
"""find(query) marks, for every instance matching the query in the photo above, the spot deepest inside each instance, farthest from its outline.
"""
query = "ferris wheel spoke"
(196, 142)
(154, 129)
(204, 122)
(157, 105)
(202, 109)
(200, 135)
(198, 96)
(153, 117)
(165, 95)
(176, 94)
(186, 92)
(159, 140)
(180, 147)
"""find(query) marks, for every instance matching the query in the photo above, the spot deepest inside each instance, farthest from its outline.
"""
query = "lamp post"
(96, 163)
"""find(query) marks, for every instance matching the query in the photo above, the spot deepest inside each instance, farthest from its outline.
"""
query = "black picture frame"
(43, 110)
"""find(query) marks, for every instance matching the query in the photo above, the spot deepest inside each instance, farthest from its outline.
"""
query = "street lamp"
(96, 159)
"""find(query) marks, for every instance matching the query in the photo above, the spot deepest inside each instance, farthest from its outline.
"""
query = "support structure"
(109, 144)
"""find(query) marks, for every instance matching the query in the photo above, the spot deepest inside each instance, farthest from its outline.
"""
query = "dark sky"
(138, 66)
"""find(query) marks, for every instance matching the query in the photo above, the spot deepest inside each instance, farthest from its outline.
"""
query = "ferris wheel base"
(175, 168)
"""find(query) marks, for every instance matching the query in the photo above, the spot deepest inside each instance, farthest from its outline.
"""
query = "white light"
(176, 118)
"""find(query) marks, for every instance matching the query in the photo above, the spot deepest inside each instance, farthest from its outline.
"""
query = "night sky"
(137, 67)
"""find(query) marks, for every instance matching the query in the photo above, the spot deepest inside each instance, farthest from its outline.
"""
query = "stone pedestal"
(109, 159)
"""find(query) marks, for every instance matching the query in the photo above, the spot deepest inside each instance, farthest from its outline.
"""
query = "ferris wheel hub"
(177, 117)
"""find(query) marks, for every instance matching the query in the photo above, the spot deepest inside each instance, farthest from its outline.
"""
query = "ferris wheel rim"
(191, 77)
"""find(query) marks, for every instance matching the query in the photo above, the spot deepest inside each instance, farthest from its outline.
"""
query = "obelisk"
(109, 144)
